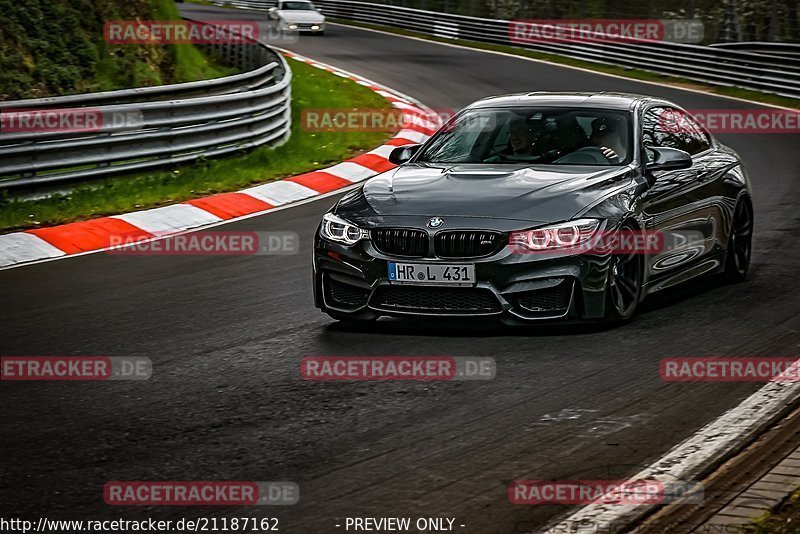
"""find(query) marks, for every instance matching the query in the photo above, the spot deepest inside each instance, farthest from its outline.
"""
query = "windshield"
(549, 136)
(297, 6)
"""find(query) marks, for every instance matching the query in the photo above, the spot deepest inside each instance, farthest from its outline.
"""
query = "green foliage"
(56, 47)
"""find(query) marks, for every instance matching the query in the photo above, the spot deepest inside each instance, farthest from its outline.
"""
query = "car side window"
(657, 129)
(673, 128)
(699, 141)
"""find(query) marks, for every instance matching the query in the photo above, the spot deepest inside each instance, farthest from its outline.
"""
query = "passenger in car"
(607, 135)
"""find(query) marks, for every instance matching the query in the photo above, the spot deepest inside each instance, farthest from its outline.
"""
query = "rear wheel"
(740, 243)
(624, 287)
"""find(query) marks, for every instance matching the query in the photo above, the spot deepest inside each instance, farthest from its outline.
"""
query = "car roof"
(603, 100)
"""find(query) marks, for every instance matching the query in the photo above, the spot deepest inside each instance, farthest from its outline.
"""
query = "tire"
(624, 286)
(740, 243)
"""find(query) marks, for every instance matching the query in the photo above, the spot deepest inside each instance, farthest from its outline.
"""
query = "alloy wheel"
(741, 242)
(625, 282)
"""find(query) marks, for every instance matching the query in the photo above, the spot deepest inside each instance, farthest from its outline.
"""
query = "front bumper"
(304, 27)
(515, 288)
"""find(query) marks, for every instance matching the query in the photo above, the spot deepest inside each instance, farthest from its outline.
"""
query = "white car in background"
(298, 15)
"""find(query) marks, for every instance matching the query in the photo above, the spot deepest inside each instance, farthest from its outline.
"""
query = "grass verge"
(635, 74)
(305, 151)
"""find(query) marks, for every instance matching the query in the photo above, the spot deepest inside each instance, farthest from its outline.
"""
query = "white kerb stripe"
(409, 107)
(168, 219)
(350, 171)
(383, 151)
(387, 94)
(281, 192)
(22, 247)
(415, 121)
(411, 135)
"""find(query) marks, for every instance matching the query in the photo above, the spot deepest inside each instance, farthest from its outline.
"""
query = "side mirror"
(401, 154)
(668, 159)
(272, 12)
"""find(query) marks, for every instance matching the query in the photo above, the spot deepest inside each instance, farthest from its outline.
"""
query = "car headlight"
(292, 26)
(566, 235)
(340, 231)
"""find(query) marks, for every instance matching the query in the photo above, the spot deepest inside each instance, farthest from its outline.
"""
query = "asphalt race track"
(226, 335)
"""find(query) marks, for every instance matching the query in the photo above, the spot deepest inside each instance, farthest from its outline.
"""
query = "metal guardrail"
(154, 126)
(773, 49)
(761, 71)
(258, 5)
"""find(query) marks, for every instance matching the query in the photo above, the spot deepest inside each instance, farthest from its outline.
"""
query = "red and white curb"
(57, 242)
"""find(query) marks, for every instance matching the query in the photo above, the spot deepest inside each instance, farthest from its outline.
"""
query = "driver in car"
(521, 138)
(533, 137)
(607, 136)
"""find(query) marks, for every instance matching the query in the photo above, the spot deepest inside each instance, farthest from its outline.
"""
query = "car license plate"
(432, 273)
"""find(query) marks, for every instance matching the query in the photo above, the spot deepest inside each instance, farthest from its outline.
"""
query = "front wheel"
(624, 286)
(740, 243)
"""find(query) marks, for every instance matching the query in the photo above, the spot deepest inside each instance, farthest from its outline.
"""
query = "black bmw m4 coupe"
(538, 206)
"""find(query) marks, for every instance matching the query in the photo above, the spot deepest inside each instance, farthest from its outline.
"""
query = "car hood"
(539, 194)
(301, 16)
